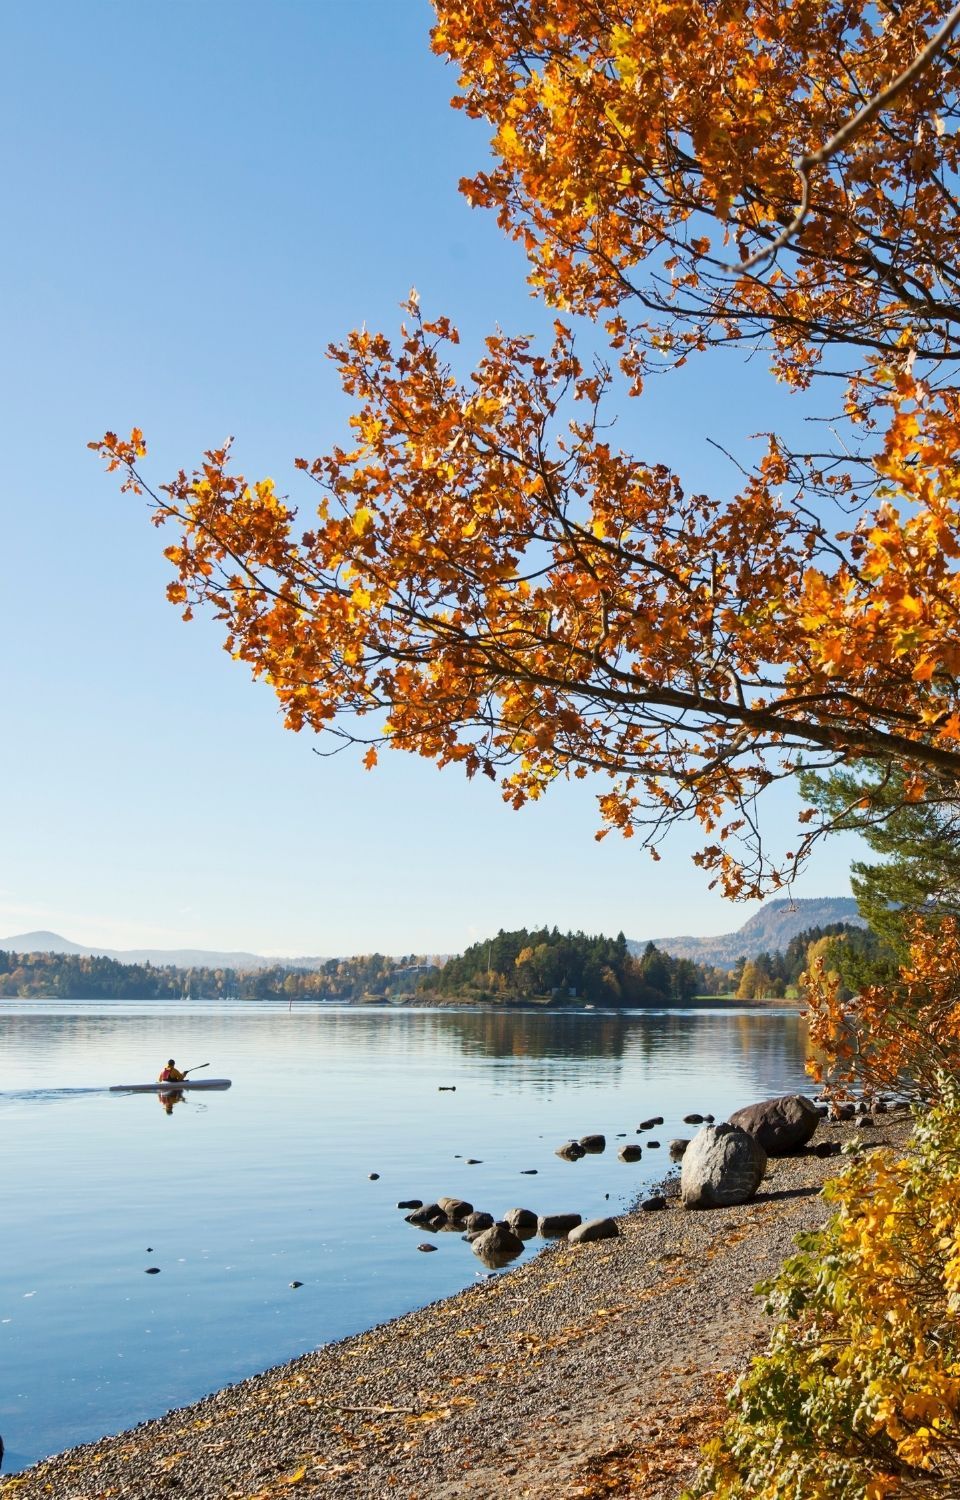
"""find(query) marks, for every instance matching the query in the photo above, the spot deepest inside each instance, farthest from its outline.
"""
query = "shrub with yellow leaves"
(858, 1396)
(903, 1036)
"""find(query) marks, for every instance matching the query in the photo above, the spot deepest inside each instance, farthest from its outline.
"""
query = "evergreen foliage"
(918, 842)
(548, 964)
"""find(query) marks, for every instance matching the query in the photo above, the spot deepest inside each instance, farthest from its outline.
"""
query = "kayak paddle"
(195, 1069)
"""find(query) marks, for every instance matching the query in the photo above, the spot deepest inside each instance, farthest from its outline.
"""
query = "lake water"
(235, 1195)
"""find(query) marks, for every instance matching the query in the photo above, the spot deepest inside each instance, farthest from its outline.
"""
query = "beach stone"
(722, 1165)
(455, 1208)
(652, 1145)
(523, 1221)
(411, 1203)
(651, 1205)
(593, 1143)
(528, 1171)
(649, 1124)
(428, 1217)
(472, 1161)
(630, 1152)
(693, 1120)
(826, 1148)
(570, 1151)
(865, 1122)
(497, 1245)
(152, 1271)
(477, 1222)
(552, 1226)
(594, 1229)
(426, 1248)
(781, 1126)
(677, 1148)
(373, 1176)
(295, 1284)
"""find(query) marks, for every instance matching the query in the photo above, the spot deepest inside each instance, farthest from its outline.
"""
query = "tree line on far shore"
(512, 968)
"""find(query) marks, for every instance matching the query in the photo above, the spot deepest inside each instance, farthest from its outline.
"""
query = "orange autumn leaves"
(903, 1036)
(490, 581)
(641, 148)
(490, 584)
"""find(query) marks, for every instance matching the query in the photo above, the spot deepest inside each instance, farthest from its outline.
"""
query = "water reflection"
(355, 1111)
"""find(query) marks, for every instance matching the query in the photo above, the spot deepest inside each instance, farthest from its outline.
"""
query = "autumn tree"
(488, 581)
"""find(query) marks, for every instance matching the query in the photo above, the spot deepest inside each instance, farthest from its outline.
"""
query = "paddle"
(195, 1069)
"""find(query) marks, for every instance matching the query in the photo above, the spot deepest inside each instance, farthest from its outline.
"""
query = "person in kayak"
(171, 1073)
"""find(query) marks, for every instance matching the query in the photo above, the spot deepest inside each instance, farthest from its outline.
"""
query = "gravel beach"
(591, 1370)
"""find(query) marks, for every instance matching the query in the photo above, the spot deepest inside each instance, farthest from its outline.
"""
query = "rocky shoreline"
(594, 1369)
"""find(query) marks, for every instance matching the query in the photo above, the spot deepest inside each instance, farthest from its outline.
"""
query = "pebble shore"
(592, 1370)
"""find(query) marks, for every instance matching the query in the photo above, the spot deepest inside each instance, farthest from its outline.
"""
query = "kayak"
(170, 1088)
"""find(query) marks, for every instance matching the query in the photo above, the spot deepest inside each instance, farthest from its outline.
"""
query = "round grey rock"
(722, 1165)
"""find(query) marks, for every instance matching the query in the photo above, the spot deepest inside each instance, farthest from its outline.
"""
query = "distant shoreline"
(707, 1002)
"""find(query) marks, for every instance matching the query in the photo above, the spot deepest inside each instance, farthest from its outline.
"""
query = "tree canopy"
(488, 581)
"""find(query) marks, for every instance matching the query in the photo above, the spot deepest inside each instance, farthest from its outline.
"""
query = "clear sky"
(197, 198)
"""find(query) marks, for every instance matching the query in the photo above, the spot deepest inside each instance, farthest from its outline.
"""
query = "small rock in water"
(570, 1151)
(649, 1124)
(296, 1283)
(152, 1271)
(149, 1249)
(472, 1161)
(411, 1203)
(528, 1172)
(373, 1176)
(653, 1144)
(426, 1248)
(630, 1153)
(444, 1088)
(693, 1119)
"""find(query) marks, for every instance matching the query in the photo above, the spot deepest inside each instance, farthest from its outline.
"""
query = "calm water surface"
(235, 1195)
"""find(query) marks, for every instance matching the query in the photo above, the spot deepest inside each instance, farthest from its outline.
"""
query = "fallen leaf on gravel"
(433, 1414)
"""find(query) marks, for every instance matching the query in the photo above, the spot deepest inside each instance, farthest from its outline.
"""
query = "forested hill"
(546, 964)
(769, 930)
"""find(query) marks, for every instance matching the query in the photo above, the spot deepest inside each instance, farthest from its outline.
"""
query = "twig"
(846, 133)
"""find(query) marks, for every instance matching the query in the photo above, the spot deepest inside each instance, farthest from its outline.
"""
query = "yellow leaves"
(296, 1477)
(361, 521)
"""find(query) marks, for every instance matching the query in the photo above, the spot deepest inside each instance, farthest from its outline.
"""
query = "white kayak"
(170, 1088)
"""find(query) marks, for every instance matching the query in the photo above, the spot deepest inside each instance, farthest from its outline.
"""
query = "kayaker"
(171, 1073)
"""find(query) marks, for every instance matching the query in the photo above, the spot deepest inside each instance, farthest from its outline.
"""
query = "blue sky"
(198, 198)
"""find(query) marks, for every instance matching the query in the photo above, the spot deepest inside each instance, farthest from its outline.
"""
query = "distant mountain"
(179, 958)
(768, 930)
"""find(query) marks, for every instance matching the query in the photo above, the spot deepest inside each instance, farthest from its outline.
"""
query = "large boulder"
(781, 1126)
(722, 1165)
